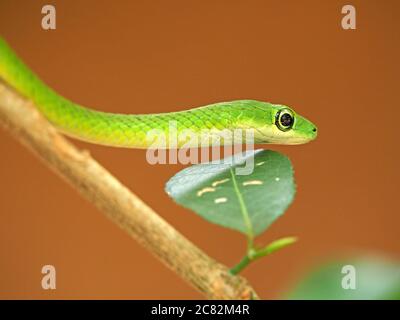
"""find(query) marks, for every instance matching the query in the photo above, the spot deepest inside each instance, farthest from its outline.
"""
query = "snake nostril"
(314, 130)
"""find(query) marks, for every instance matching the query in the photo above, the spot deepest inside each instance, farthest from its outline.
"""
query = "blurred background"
(158, 56)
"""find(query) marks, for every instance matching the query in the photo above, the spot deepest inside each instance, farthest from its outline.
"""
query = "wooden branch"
(96, 184)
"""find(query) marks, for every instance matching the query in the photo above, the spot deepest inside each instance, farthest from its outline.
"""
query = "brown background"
(155, 56)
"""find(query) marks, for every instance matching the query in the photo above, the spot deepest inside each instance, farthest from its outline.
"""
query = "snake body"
(271, 122)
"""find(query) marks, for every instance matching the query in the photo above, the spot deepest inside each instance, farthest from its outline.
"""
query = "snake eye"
(284, 119)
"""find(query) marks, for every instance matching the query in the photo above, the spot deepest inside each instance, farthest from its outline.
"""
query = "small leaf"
(273, 247)
(247, 203)
(375, 279)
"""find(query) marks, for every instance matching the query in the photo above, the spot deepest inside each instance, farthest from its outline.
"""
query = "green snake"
(272, 123)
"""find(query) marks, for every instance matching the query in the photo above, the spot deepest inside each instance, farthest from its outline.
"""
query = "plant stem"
(241, 265)
(253, 253)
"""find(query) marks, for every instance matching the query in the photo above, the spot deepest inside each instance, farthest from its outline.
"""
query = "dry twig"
(96, 184)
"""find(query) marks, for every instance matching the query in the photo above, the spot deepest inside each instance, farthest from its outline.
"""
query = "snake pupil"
(286, 120)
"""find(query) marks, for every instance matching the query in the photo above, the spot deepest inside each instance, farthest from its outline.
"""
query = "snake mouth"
(285, 138)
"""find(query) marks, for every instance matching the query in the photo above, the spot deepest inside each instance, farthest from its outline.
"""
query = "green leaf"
(247, 203)
(375, 279)
(273, 247)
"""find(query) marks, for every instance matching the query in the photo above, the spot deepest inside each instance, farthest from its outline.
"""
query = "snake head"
(279, 124)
